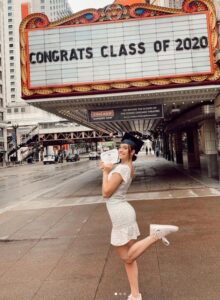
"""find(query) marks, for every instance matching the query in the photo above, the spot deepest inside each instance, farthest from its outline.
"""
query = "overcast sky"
(83, 4)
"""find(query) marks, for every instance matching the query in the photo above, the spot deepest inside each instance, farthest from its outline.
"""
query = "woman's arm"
(109, 186)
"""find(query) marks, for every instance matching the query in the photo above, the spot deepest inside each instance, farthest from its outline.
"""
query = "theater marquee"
(84, 53)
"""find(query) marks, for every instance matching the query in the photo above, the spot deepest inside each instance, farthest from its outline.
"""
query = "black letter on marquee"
(166, 45)
(47, 56)
(31, 58)
(81, 50)
(102, 51)
(122, 50)
(63, 55)
(132, 49)
(112, 51)
(73, 55)
(89, 53)
(141, 47)
(55, 57)
(40, 57)
(157, 46)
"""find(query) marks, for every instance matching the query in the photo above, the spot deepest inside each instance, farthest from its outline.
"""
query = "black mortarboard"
(132, 140)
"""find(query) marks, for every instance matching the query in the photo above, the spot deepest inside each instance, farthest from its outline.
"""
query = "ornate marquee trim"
(112, 13)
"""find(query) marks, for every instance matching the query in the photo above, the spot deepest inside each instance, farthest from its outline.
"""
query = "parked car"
(49, 159)
(94, 155)
(72, 157)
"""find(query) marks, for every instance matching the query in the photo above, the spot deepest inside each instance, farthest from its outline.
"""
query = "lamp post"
(15, 127)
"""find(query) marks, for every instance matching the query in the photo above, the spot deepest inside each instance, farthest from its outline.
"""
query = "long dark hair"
(130, 149)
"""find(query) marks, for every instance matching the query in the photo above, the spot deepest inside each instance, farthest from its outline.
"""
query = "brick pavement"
(63, 253)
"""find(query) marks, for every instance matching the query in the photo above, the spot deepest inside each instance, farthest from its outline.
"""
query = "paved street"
(43, 186)
(55, 232)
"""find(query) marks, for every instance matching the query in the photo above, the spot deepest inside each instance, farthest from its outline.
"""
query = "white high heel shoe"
(160, 231)
(139, 297)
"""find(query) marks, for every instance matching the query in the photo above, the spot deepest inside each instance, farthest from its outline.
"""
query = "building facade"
(12, 17)
(13, 12)
(168, 3)
(18, 112)
(3, 134)
(54, 9)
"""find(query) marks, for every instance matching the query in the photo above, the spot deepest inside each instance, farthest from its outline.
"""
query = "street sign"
(126, 113)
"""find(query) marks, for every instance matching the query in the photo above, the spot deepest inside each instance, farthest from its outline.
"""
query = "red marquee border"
(114, 13)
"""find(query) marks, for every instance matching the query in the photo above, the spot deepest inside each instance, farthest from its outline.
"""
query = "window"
(9, 20)
(42, 7)
(11, 57)
(9, 110)
(11, 39)
(16, 110)
(1, 102)
(42, 1)
(12, 70)
(0, 75)
(12, 77)
(11, 51)
(12, 83)
(23, 109)
(0, 88)
(10, 14)
(12, 96)
(11, 45)
(12, 89)
(0, 62)
(9, 1)
(1, 132)
(10, 26)
(1, 116)
(11, 64)
(10, 32)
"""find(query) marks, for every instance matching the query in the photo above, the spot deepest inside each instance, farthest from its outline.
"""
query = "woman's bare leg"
(132, 273)
(131, 252)
(131, 269)
(128, 253)
(138, 248)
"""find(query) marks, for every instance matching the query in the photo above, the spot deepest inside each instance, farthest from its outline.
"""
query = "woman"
(124, 226)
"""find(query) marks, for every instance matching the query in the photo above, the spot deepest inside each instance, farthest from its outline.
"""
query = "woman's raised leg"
(157, 232)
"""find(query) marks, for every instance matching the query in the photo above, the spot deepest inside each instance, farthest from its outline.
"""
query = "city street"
(42, 186)
(55, 234)
(78, 78)
(47, 185)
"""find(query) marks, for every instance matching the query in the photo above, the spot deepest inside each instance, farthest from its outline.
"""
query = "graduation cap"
(133, 141)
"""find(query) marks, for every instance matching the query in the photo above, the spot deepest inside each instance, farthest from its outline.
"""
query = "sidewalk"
(56, 248)
(63, 253)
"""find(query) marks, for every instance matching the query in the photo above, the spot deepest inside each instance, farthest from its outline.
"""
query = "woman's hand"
(105, 167)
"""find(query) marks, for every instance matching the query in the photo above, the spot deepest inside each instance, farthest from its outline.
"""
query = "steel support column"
(193, 148)
(178, 147)
(211, 147)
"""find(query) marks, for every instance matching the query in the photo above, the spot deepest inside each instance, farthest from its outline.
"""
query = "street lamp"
(15, 127)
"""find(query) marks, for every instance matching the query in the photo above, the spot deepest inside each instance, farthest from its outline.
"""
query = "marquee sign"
(117, 47)
(148, 48)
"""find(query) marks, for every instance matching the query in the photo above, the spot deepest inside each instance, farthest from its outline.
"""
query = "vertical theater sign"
(119, 48)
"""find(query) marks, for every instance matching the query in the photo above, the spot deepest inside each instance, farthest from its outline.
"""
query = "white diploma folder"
(110, 157)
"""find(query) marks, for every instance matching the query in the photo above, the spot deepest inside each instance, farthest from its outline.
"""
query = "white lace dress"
(122, 214)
